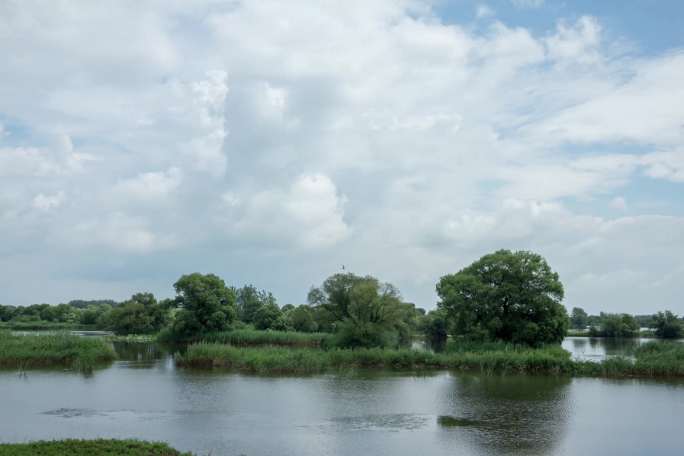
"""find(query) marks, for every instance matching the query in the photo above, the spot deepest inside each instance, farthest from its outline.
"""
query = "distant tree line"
(504, 296)
(664, 324)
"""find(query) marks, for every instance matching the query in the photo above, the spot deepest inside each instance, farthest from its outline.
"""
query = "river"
(143, 395)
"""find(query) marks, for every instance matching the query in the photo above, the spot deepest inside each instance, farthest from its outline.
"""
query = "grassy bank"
(306, 360)
(652, 360)
(60, 350)
(89, 448)
(253, 337)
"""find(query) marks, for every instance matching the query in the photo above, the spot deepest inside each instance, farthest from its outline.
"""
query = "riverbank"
(89, 448)
(651, 360)
(56, 350)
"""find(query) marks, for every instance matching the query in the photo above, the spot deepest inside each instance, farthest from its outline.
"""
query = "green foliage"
(249, 300)
(365, 312)
(510, 296)
(268, 316)
(300, 318)
(667, 325)
(578, 318)
(53, 350)
(97, 447)
(206, 305)
(139, 315)
(251, 337)
(615, 325)
(435, 328)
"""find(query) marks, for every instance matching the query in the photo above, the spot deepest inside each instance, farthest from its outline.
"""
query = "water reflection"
(597, 349)
(509, 415)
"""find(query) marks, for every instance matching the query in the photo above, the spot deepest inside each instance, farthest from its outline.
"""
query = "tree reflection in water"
(508, 414)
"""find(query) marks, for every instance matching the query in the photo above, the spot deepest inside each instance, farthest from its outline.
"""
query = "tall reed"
(64, 350)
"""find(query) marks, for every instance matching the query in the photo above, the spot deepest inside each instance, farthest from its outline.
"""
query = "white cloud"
(576, 43)
(151, 186)
(618, 203)
(48, 202)
(57, 159)
(308, 214)
(119, 232)
(393, 138)
(665, 165)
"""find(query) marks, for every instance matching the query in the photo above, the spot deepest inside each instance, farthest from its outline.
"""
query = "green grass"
(253, 337)
(655, 359)
(58, 350)
(307, 360)
(99, 447)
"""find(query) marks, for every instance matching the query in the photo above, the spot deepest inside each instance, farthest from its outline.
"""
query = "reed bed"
(56, 350)
(655, 359)
(89, 448)
(303, 360)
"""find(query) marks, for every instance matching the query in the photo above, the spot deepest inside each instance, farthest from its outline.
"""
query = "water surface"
(145, 396)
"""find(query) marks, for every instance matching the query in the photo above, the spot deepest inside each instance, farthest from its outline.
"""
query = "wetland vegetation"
(54, 350)
(76, 447)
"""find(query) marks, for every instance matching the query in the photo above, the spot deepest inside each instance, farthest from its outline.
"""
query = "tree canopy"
(579, 319)
(206, 303)
(667, 325)
(364, 311)
(509, 296)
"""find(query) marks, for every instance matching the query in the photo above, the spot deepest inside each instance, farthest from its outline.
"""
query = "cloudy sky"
(272, 142)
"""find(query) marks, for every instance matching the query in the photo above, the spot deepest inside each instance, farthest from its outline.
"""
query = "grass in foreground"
(100, 447)
(655, 359)
(253, 337)
(61, 350)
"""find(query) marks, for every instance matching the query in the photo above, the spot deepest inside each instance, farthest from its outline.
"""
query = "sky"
(274, 142)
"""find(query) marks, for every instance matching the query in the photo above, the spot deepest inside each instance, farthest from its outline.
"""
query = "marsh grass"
(89, 448)
(56, 350)
(655, 359)
(253, 337)
(306, 360)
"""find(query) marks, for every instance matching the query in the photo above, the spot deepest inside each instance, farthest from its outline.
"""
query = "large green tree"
(509, 296)
(206, 303)
(364, 311)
